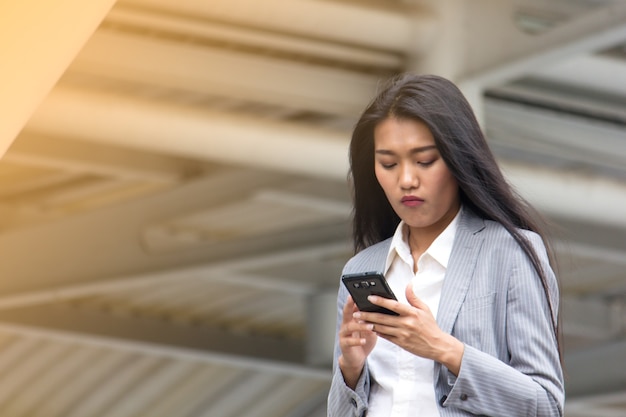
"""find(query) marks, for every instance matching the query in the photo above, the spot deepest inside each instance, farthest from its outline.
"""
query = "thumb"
(414, 299)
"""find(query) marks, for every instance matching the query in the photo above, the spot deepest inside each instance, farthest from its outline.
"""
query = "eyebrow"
(413, 151)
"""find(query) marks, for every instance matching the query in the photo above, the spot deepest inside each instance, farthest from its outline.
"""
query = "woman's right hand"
(356, 341)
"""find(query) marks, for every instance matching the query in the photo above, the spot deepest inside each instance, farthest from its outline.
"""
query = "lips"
(411, 201)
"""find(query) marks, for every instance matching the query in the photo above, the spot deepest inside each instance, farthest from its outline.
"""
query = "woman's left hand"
(415, 330)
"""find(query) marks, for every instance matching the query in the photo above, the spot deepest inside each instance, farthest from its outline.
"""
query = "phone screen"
(361, 285)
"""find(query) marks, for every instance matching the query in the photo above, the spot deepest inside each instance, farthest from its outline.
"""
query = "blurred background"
(174, 210)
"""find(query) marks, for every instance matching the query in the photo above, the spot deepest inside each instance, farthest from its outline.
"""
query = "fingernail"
(356, 315)
(370, 327)
(372, 298)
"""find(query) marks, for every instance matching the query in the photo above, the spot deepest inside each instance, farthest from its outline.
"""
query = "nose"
(408, 177)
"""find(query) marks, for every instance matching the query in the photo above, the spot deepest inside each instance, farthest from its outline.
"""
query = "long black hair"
(439, 104)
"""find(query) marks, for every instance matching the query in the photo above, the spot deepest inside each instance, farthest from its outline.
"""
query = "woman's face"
(413, 175)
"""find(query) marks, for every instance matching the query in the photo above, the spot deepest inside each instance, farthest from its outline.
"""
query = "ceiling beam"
(596, 370)
(197, 30)
(186, 131)
(97, 159)
(577, 138)
(209, 345)
(558, 193)
(469, 53)
(601, 256)
(286, 147)
(71, 319)
(600, 78)
(107, 245)
(172, 64)
(38, 40)
(609, 404)
(591, 318)
(232, 271)
(397, 28)
(493, 60)
(589, 371)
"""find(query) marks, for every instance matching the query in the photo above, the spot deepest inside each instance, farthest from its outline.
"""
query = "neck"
(418, 243)
(420, 239)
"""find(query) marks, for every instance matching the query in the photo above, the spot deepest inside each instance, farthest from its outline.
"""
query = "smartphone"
(361, 285)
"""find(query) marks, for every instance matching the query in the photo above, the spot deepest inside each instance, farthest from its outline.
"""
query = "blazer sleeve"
(342, 400)
(530, 381)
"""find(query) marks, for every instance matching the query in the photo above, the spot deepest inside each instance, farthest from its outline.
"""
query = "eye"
(426, 163)
(386, 163)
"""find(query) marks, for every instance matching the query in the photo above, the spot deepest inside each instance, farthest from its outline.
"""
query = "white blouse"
(402, 383)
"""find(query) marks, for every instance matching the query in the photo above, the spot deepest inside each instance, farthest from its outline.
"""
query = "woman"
(477, 328)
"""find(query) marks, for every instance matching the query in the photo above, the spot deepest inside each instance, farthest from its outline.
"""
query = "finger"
(355, 327)
(375, 319)
(387, 332)
(348, 309)
(349, 305)
(347, 342)
(389, 304)
(413, 299)
(355, 334)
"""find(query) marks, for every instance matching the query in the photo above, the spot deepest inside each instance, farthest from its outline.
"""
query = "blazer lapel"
(467, 244)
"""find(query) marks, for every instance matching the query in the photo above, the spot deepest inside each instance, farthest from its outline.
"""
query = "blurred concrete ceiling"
(173, 197)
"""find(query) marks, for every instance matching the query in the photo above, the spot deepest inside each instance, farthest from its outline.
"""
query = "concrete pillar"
(321, 322)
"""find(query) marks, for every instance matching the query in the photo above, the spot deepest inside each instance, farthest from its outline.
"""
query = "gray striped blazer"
(493, 301)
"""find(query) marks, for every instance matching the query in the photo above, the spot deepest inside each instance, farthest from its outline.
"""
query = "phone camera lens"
(372, 283)
(365, 284)
(356, 285)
